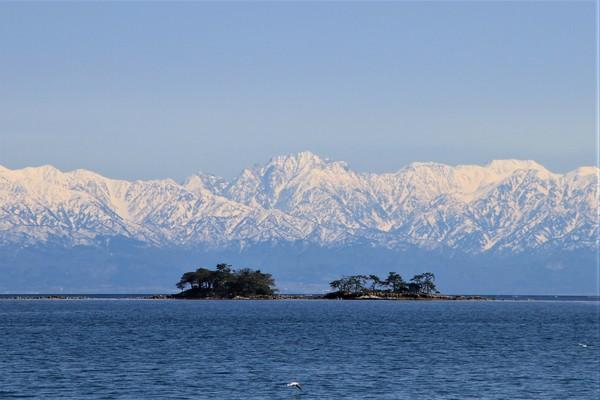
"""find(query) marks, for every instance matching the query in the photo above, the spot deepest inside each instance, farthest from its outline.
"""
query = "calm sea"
(136, 349)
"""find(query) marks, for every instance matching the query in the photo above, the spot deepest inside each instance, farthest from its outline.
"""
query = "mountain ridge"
(505, 205)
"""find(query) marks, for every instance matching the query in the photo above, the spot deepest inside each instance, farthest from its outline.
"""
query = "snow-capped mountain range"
(506, 205)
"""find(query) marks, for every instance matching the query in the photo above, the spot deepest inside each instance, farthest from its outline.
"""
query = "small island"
(393, 287)
(224, 282)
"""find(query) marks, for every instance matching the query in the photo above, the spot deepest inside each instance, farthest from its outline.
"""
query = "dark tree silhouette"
(393, 286)
(376, 283)
(225, 282)
(427, 281)
(395, 282)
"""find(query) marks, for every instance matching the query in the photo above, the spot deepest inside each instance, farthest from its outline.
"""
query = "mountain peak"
(46, 168)
(298, 160)
(510, 165)
(584, 171)
(205, 182)
(46, 173)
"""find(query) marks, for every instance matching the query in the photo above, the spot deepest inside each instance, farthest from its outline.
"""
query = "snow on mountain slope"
(206, 182)
(506, 205)
(326, 193)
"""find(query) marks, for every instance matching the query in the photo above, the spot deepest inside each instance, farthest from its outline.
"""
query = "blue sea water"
(136, 349)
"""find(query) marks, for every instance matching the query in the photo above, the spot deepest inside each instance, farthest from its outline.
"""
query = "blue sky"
(150, 90)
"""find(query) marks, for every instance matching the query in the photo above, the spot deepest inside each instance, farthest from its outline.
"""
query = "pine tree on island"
(226, 283)
(394, 286)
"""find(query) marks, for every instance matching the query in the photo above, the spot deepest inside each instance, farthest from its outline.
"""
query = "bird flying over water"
(294, 385)
(582, 345)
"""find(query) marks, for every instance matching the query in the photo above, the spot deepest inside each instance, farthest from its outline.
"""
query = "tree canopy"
(359, 285)
(226, 282)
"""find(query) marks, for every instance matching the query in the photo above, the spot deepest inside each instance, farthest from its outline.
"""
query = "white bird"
(582, 344)
(294, 385)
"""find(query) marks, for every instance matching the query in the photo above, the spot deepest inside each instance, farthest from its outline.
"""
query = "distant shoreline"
(285, 297)
(333, 296)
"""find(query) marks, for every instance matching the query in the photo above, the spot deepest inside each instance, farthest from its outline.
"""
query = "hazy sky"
(148, 90)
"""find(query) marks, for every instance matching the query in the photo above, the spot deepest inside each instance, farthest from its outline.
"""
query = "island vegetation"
(224, 282)
(394, 286)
